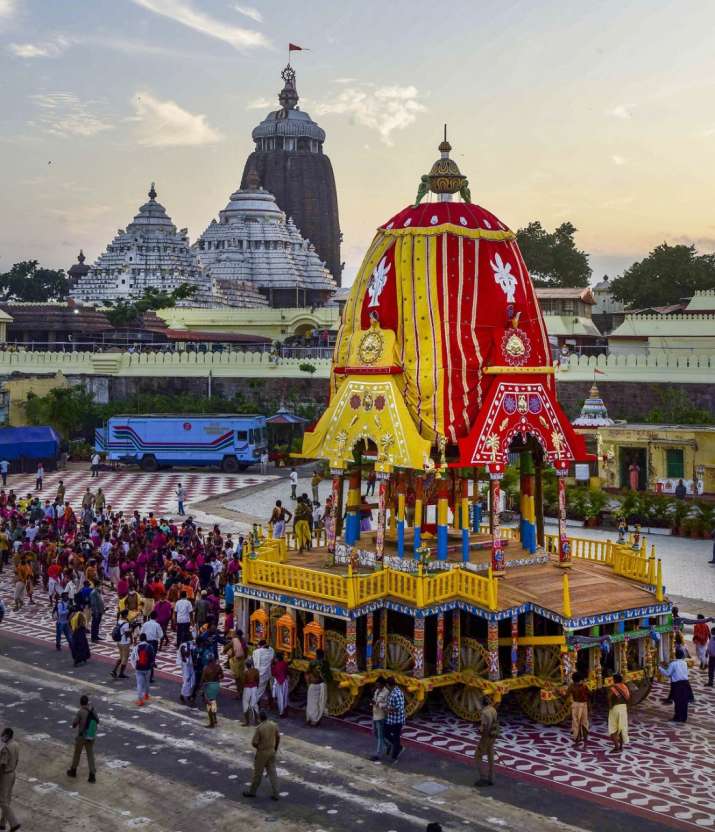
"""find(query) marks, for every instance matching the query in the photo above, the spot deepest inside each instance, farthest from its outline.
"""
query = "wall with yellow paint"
(17, 390)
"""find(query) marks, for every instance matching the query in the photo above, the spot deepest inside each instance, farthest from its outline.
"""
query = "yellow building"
(15, 391)
(663, 455)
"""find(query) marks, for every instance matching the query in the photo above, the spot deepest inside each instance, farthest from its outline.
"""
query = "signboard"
(582, 472)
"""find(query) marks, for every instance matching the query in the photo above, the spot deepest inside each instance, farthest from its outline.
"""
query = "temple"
(256, 257)
(149, 254)
(290, 163)
(442, 384)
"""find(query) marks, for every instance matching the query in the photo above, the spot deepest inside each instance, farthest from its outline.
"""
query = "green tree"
(669, 274)
(70, 410)
(552, 257)
(125, 313)
(28, 281)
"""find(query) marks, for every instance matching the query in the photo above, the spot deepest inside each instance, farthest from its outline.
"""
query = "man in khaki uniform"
(83, 741)
(489, 729)
(266, 741)
(9, 756)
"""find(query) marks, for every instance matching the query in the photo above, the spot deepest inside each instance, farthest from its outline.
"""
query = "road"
(159, 768)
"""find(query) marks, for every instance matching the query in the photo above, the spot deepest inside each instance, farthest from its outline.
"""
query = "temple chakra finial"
(288, 96)
(152, 192)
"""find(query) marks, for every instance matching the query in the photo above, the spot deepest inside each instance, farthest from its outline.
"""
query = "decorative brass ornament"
(370, 349)
(514, 346)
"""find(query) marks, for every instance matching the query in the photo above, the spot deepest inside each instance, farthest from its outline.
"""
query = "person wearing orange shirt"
(701, 637)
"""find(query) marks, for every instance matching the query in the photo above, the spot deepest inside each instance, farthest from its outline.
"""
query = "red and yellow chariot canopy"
(471, 354)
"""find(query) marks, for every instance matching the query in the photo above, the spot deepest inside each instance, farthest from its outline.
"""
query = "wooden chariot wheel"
(641, 688)
(463, 700)
(555, 709)
(340, 700)
(400, 657)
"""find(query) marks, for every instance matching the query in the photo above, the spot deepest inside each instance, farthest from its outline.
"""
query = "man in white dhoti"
(263, 657)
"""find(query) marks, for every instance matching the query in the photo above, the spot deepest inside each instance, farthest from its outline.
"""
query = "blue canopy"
(36, 442)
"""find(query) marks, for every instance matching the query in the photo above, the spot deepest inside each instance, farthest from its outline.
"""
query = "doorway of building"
(639, 456)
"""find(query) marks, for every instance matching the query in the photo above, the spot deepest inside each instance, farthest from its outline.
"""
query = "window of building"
(674, 465)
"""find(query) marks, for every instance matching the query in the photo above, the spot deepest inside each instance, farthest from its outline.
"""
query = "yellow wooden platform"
(603, 577)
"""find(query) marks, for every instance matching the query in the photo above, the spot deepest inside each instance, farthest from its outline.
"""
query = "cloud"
(621, 111)
(166, 124)
(182, 11)
(63, 114)
(48, 49)
(249, 11)
(259, 104)
(384, 109)
(618, 160)
(7, 8)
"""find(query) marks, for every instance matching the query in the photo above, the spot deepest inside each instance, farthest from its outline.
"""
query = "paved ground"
(657, 783)
(130, 490)
(160, 769)
(656, 778)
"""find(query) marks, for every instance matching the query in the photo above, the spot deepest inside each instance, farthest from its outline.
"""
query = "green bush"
(306, 367)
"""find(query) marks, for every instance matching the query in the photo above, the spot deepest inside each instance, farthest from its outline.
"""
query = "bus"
(159, 441)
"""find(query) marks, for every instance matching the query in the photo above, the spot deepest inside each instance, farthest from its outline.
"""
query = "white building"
(149, 254)
(253, 246)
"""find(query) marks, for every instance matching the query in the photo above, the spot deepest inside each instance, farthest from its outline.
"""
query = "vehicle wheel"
(149, 463)
(554, 708)
(340, 700)
(640, 690)
(399, 656)
(230, 465)
(466, 700)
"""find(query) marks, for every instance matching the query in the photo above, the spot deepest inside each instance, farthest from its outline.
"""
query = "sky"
(600, 113)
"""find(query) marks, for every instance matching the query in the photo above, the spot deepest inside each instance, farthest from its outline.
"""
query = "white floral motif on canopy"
(504, 277)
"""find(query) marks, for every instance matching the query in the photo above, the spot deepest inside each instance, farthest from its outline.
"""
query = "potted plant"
(679, 510)
(593, 506)
(707, 518)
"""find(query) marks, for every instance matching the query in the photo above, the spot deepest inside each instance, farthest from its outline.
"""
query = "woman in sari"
(680, 690)
(80, 645)
(211, 683)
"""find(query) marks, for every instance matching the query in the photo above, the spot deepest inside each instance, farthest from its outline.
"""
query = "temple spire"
(152, 192)
(288, 96)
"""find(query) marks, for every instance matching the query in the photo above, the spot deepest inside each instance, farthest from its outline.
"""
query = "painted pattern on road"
(130, 491)
(666, 772)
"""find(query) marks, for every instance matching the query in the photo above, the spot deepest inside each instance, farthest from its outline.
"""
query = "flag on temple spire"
(293, 48)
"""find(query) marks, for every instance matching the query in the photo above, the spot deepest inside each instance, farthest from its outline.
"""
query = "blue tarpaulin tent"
(40, 442)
